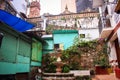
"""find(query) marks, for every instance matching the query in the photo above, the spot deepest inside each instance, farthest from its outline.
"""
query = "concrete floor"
(105, 77)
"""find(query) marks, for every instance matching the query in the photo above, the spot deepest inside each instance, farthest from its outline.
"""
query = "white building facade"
(110, 18)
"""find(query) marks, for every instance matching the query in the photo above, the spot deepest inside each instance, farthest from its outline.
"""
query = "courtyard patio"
(110, 76)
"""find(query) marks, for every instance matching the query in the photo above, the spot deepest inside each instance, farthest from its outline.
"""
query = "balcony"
(7, 6)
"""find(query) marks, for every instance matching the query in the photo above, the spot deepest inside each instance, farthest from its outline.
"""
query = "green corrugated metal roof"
(64, 31)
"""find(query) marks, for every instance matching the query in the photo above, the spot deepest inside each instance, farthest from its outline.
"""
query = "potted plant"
(117, 72)
(101, 60)
(117, 68)
(101, 66)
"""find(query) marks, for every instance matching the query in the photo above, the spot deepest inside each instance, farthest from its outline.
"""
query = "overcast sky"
(50, 6)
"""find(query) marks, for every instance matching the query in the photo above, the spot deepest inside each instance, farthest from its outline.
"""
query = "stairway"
(58, 76)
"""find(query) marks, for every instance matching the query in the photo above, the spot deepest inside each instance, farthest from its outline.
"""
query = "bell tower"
(34, 9)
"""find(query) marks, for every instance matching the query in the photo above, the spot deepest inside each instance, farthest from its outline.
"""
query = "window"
(58, 46)
(82, 35)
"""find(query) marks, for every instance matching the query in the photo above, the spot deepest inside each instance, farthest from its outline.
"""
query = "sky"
(50, 6)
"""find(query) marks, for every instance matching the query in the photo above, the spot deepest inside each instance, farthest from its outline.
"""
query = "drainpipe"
(44, 22)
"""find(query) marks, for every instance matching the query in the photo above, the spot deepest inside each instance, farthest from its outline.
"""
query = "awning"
(106, 32)
(15, 22)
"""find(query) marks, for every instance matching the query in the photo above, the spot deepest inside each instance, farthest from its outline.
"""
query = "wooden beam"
(114, 30)
(117, 9)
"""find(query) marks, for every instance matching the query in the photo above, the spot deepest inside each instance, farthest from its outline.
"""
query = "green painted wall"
(23, 64)
(35, 63)
(36, 53)
(65, 37)
(15, 51)
(7, 68)
(49, 47)
(8, 51)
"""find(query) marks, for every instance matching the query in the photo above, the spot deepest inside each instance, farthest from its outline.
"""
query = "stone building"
(84, 22)
(34, 9)
(110, 32)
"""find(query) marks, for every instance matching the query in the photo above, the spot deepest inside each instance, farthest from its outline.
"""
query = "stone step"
(58, 78)
(58, 74)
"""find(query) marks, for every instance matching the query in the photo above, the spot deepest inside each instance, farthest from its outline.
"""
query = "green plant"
(47, 63)
(65, 69)
(74, 66)
(74, 54)
(51, 68)
(63, 18)
(83, 78)
(101, 58)
(49, 29)
(102, 62)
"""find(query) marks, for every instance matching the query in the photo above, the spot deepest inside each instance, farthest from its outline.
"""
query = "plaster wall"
(65, 39)
(90, 34)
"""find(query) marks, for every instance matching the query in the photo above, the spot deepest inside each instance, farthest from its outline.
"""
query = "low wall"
(80, 72)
